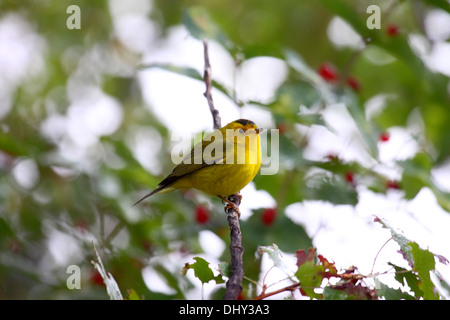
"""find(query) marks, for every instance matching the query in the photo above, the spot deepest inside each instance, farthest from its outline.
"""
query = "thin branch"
(208, 93)
(234, 283)
(376, 256)
(290, 288)
(114, 232)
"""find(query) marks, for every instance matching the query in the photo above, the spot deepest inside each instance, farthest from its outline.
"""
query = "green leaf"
(416, 174)
(333, 294)
(202, 271)
(423, 264)
(405, 277)
(309, 273)
(390, 293)
(349, 291)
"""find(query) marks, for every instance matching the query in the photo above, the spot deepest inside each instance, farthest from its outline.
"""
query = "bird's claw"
(230, 205)
(234, 207)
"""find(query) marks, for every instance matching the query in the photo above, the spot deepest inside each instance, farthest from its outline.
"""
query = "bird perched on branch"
(223, 163)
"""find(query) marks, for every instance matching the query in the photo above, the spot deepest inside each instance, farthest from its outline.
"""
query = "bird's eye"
(241, 130)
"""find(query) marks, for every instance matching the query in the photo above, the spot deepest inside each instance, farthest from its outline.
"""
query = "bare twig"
(290, 288)
(208, 94)
(234, 284)
(375, 259)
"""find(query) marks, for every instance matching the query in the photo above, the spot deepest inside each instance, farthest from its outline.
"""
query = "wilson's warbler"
(223, 163)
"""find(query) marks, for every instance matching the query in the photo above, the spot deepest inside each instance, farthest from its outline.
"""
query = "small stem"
(207, 76)
(376, 256)
(290, 288)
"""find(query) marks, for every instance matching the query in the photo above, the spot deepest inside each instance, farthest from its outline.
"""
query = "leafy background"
(89, 119)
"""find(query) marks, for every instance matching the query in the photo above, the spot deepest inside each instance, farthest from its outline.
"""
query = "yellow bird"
(223, 163)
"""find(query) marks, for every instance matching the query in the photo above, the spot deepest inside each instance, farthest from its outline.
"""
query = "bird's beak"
(258, 130)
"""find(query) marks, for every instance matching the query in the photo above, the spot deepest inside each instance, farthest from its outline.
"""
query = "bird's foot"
(230, 205)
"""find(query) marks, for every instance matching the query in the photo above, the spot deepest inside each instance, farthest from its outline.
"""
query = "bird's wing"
(199, 158)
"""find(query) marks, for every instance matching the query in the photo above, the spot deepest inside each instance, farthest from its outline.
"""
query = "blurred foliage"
(82, 194)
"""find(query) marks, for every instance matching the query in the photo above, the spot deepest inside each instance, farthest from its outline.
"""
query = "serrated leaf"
(404, 276)
(390, 293)
(202, 271)
(310, 277)
(423, 264)
(308, 273)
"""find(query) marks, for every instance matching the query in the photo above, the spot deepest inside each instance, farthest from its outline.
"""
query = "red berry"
(268, 216)
(353, 83)
(201, 214)
(392, 30)
(392, 184)
(384, 137)
(328, 72)
(349, 177)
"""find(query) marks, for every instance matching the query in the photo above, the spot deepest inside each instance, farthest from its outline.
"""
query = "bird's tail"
(147, 195)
